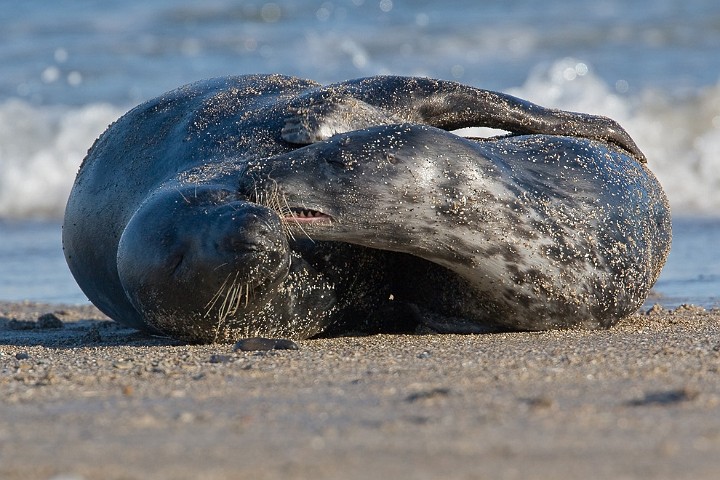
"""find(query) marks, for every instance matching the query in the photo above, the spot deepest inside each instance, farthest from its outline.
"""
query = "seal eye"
(391, 158)
(335, 161)
(341, 161)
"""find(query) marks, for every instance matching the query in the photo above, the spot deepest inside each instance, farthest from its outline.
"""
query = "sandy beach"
(84, 398)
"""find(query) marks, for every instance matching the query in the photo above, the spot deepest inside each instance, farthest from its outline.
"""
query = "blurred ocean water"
(69, 68)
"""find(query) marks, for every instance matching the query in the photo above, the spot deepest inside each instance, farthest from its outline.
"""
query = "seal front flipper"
(450, 105)
(324, 118)
(384, 100)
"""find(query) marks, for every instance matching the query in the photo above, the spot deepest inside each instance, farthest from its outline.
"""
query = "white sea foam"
(679, 133)
(41, 148)
(40, 152)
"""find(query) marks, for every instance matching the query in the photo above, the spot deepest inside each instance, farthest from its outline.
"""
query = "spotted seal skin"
(534, 232)
(160, 237)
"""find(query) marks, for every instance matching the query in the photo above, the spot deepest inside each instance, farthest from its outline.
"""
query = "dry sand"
(93, 400)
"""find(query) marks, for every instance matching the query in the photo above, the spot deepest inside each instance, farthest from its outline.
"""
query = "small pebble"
(428, 394)
(689, 308)
(541, 402)
(49, 321)
(186, 417)
(216, 358)
(262, 344)
(666, 397)
(123, 364)
(22, 356)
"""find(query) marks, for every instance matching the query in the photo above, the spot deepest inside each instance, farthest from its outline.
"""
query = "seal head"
(202, 242)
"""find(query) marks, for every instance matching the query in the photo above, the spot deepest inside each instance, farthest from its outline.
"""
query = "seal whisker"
(211, 303)
(224, 304)
(284, 199)
(279, 204)
(183, 196)
(229, 305)
(220, 266)
(231, 298)
(271, 198)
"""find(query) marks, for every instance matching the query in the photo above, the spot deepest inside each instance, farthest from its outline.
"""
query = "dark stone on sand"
(22, 356)
(92, 335)
(668, 397)
(539, 402)
(428, 394)
(216, 358)
(49, 321)
(262, 344)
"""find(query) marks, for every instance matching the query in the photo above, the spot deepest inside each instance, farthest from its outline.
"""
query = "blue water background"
(69, 68)
(34, 267)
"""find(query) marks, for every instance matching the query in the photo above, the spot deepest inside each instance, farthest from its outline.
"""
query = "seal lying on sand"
(540, 231)
(159, 236)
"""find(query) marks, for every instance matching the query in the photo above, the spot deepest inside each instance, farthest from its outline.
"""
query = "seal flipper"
(384, 100)
(323, 119)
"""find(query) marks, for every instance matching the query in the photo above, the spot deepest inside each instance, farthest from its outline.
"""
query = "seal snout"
(252, 232)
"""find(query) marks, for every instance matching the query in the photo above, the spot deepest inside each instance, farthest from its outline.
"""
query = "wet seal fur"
(166, 231)
(539, 232)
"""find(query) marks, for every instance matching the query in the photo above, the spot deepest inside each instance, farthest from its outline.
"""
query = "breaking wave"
(41, 148)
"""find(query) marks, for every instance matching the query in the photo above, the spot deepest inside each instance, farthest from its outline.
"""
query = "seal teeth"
(303, 213)
(298, 213)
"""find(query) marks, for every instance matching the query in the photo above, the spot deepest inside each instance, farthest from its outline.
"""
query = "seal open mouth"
(306, 216)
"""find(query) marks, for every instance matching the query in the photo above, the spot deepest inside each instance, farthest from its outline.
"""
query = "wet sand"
(95, 400)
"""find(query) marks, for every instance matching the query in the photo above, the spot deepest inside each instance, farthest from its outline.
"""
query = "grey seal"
(160, 236)
(534, 232)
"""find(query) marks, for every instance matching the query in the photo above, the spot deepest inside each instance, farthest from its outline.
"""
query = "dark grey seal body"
(538, 231)
(160, 236)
